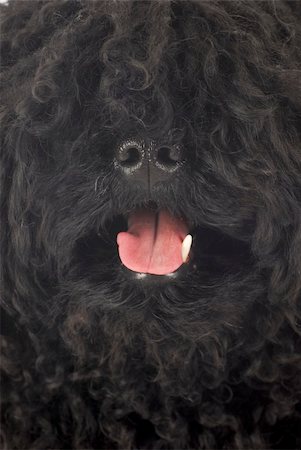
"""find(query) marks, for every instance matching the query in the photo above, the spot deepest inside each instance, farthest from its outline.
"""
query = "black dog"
(129, 127)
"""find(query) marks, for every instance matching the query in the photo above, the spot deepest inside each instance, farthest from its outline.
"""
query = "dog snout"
(148, 162)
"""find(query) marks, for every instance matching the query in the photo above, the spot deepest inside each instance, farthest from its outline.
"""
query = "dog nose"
(148, 162)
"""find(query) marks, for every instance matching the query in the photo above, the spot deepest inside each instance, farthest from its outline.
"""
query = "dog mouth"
(151, 244)
(156, 242)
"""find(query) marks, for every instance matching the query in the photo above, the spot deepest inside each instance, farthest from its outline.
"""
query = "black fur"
(90, 357)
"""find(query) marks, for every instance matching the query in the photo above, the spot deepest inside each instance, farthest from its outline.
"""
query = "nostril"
(169, 157)
(129, 154)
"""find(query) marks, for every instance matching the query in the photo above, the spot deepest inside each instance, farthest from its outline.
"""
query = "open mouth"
(151, 244)
(155, 242)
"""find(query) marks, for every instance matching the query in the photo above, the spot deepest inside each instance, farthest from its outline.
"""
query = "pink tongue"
(153, 242)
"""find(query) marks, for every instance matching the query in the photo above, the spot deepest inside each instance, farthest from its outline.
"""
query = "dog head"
(132, 125)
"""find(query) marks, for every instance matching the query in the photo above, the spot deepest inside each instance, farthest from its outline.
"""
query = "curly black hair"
(90, 357)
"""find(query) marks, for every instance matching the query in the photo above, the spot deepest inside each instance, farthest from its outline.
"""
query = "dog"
(151, 224)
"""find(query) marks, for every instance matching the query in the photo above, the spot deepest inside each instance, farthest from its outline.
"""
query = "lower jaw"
(151, 279)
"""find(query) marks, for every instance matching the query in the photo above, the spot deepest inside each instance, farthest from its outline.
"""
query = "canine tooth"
(186, 246)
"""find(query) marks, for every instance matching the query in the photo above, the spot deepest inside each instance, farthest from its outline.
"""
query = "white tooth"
(186, 246)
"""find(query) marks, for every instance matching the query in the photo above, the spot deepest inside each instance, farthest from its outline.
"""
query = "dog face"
(140, 124)
(152, 235)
